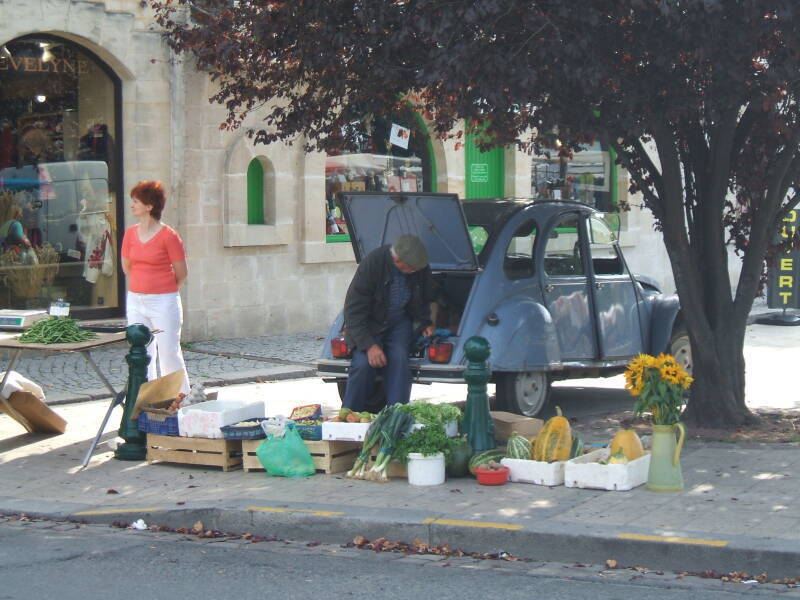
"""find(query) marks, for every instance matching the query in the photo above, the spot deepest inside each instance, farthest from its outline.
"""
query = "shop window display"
(584, 176)
(377, 165)
(58, 177)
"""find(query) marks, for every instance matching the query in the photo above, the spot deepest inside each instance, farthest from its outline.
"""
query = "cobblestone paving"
(69, 376)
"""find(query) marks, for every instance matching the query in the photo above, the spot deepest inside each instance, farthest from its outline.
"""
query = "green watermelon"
(484, 457)
(518, 447)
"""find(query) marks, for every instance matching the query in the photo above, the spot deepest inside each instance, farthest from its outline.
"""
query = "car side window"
(605, 256)
(562, 253)
(518, 262)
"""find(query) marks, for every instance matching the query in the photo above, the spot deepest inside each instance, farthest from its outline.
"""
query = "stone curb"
(545, 541)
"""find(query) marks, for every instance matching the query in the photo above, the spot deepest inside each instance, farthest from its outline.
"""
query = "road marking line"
(481, 524)
(318, 513)
(671, 539)
(114, 511)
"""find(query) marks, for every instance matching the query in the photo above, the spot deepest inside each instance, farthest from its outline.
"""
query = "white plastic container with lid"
(204, 420)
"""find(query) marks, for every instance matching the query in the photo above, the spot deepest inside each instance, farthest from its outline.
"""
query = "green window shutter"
(255, 193)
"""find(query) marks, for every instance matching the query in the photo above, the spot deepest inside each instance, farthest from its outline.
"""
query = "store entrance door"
(485, 171)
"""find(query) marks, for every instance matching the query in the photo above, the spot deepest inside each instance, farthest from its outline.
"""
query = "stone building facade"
(286, 273)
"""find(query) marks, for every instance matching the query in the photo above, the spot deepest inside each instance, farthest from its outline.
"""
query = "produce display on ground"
(384, 433)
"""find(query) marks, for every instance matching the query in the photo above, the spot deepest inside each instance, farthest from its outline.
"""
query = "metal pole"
(478, 424)
(135, 447)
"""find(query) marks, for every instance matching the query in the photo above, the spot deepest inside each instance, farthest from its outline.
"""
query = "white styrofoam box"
(534, 471)
(205, 418)
(345, 432)
(586, 472)
(450, 430)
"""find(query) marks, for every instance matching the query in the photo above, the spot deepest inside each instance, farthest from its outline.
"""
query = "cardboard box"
(506, 422)
(40, 417)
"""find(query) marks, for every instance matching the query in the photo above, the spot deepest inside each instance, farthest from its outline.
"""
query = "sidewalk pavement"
(739, 509)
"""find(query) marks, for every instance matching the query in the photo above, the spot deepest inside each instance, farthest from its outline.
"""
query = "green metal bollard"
(134, 448)
(478, 424)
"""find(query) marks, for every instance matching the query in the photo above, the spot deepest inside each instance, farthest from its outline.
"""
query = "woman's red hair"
(152, 194)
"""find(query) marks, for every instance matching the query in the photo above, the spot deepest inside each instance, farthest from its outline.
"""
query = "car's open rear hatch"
(376, 219)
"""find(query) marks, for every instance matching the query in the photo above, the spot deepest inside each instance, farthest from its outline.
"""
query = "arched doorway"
(60, 177)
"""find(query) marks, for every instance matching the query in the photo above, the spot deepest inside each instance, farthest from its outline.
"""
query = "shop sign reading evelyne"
(28, 64)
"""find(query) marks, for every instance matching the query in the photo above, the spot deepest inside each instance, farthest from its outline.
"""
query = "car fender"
(664, 312)
(524, 338)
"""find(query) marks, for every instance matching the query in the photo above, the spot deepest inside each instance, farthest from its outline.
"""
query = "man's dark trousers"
(396, 344)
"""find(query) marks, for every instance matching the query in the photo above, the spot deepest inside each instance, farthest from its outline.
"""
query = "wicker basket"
(251, 432)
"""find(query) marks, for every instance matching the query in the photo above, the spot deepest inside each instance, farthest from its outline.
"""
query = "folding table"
(10, 341)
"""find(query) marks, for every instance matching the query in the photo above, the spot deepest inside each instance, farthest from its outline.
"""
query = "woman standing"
(154, 261)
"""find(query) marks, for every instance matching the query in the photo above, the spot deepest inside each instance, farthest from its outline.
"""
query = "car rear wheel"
(681, 348)
(524, 393)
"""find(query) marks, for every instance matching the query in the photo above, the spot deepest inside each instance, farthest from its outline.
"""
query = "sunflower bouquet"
(659, 384)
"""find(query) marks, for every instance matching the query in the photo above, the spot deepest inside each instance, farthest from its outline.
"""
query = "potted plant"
(659, 385)
(426, 451)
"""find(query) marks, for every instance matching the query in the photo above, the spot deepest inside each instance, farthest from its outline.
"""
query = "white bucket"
(425, 470)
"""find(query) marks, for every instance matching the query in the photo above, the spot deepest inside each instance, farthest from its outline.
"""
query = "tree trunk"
(717, 399)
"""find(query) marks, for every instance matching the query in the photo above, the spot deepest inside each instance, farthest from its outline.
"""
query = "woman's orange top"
(151, 263)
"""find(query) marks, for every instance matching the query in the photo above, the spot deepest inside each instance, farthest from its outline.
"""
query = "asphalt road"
(40, 559)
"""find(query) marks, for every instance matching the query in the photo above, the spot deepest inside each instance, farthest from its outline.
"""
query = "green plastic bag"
(286, 456)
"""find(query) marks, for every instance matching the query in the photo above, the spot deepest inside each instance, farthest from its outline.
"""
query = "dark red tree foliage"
(699, 98)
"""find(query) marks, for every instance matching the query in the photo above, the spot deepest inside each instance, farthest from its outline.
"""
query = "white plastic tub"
(534, 471)
(586, 472)
(425, 470)
(450, 430)
(204, 420)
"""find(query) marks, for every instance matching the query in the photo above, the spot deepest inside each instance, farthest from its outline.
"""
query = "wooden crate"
(396, 468)
(329, 457)
(195, 451)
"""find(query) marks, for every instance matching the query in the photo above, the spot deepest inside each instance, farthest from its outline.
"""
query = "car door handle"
(549, 287)
(598, 285)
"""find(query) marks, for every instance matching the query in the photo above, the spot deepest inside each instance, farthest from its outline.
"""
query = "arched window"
(260, 192)
(60, 177)
(255, 193)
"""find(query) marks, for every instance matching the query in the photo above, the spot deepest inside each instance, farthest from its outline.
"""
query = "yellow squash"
(617, 459)
(554, 442)
(627, 442)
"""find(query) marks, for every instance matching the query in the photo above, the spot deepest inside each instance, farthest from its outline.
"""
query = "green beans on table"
(56, 330)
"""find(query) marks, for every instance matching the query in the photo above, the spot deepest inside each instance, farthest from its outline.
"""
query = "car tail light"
(440, 352)
(339, 349)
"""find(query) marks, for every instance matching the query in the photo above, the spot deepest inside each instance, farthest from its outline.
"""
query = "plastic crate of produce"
(160, 424)
(587, 472)
(312, 433)
(247, 432)
(534, 471)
